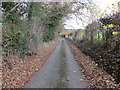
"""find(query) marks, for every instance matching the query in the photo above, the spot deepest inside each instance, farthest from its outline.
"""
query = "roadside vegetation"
(26, 27)
(101, 41)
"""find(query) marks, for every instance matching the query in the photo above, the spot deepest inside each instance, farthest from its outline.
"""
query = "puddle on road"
(63, 78)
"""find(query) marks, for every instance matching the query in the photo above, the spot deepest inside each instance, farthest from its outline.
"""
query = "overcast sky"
(103, 6)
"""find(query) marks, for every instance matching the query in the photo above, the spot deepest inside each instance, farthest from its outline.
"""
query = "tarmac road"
(59, 71)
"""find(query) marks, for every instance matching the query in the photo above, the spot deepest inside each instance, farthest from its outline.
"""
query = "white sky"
(102, 4)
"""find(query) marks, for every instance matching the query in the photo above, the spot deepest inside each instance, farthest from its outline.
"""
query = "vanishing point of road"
(59, 71)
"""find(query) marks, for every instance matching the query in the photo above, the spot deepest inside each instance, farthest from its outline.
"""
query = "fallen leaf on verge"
(74, 71)
(68, 78)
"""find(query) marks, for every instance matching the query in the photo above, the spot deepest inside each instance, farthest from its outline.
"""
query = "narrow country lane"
(60, 44)
(59, 71)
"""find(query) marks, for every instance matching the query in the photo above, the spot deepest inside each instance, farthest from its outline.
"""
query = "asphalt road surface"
(59, 71)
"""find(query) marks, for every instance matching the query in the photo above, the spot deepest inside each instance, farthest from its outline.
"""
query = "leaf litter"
(16, 73)
(95, 76)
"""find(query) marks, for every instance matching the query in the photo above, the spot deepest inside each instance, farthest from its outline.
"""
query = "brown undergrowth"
(16, 73)
(95, 76)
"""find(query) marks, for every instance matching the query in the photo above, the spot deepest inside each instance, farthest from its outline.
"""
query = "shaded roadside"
(95, 76)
